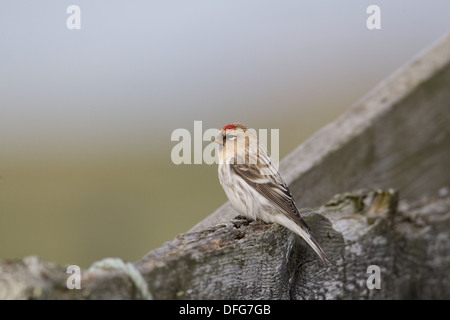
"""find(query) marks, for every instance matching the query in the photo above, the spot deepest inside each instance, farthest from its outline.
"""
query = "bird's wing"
(265, 179)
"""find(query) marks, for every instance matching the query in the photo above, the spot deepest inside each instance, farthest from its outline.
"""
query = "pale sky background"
(138, 70)
(86, 115)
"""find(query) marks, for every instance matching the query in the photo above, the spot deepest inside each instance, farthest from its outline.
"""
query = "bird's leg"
(260, 221)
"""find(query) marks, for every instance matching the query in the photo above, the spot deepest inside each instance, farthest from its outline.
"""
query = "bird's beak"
(218, 139)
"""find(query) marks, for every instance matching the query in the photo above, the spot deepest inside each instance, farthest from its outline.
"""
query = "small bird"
(254, 186)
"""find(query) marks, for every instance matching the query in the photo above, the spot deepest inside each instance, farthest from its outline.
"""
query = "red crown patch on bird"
(229, 127)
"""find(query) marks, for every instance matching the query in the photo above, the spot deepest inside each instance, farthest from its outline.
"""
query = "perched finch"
(253, 184)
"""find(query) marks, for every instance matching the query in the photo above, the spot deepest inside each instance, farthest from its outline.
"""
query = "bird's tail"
(316, 247)
(302, 232)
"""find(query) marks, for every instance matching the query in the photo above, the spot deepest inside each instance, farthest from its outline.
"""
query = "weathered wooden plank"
(251, 260)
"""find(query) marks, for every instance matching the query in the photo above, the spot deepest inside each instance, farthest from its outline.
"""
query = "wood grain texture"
(253, 260)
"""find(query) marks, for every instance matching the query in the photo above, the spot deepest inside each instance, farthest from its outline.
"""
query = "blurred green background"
(86, 115)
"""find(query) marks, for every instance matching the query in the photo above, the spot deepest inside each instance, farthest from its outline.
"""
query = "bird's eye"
(230, 136)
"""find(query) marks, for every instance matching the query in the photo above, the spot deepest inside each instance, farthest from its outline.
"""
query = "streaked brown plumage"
(254, 186)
